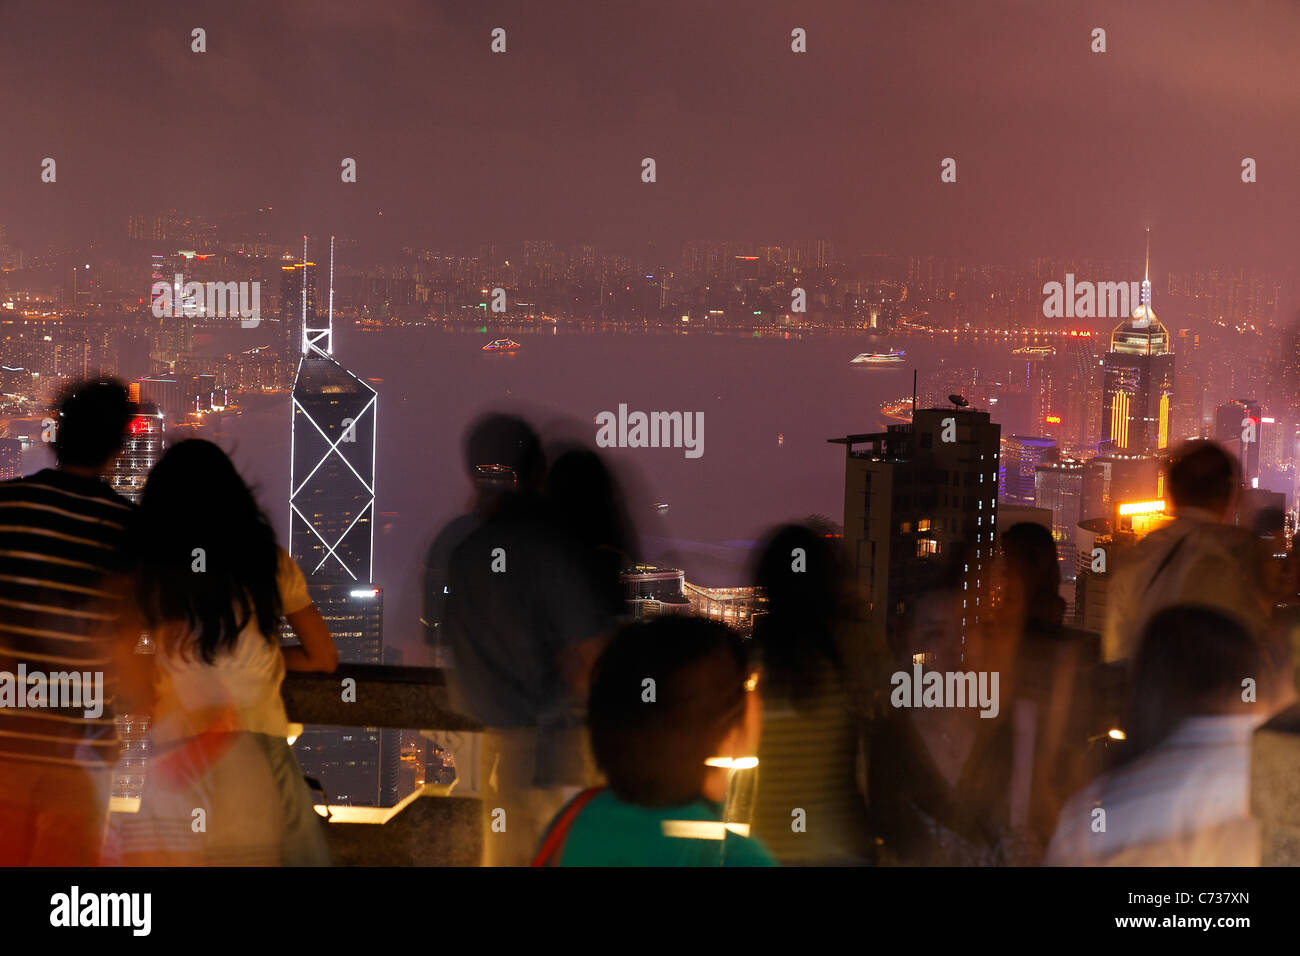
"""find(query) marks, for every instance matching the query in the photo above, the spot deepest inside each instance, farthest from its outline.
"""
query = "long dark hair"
(796, 638)
(203, 553)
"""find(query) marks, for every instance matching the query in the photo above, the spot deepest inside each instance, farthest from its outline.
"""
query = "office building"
(920, 512)
(1138, 381)
(1021, 454)
(331, 536)
(1239, 427)
(1058, 487)
(141, 451)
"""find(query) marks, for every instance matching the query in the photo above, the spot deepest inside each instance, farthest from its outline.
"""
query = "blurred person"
(1181, 795)
(502, 456)
(663, 748)
(1200, 557)
(811, 736)
(586, 500)
(524, 622)
(1050, 676)
(940, 777)
(588, 507)
(61, 531)
(210, 584)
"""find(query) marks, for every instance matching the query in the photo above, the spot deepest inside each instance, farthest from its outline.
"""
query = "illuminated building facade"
(921, 511)
(331, 536)
(1138, 381)
(143, 448)
(651, 591)
(1102, 543)
(1239, 426)
(1021, 454)
(1189, 396)
(1058, 487)
(11, 459)
(1108, 479)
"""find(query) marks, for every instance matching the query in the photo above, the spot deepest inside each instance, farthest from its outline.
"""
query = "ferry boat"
(501, 345)
(1046, 350)
(892, 357)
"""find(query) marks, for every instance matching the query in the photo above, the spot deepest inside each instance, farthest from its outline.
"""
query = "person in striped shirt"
(812, 732)
(61, 533)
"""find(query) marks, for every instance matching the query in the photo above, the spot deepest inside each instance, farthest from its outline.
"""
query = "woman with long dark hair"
(209, 585)
(811, 737)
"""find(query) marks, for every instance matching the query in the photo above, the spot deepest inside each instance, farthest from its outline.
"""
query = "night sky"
(1060, 151)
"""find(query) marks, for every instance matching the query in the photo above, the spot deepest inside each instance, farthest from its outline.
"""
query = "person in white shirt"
(1200, 557)
(210, 586)
(1202, 684)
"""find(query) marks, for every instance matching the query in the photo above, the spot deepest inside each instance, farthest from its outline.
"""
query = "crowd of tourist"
(608, 741)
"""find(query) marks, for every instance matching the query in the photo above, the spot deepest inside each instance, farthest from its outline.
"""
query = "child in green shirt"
(670, 706)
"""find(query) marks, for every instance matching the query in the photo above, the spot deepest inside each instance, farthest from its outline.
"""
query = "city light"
(1141, 508)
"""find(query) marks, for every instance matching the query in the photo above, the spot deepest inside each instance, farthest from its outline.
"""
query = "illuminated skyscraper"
(331, 534)
(1239, 426)
(920, 512)
(1021, 454)
(297, 281)
(1138, 381)
(143, 448)
(1058, 487)
(1081, 393)
(1189, 396)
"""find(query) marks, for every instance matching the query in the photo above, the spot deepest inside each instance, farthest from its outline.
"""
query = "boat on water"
(501, 345)
(892, 357)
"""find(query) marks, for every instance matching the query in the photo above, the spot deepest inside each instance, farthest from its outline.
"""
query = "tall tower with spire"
(331, 535)
(1138, 380)
(332, 468)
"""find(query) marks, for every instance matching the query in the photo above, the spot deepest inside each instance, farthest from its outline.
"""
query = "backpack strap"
(1169, 557)
(549, 853)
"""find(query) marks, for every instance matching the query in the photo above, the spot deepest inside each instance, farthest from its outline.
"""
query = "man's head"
(1203, 475)
(652, 740)
(503, 453)
(93, 416)
(1193, 661)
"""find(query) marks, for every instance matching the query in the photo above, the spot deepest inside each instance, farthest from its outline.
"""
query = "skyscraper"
(1189, 396)
(920, 506)
(1239, 425)
(1138, 380)
(1058, 486)
(141, 451)
(297, 282)
(1081, 393)
(1021, 454)
(331, 532)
